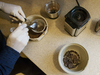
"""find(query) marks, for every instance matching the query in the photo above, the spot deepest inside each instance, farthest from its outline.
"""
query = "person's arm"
(12, 9)
(8, 58)
(9, 53)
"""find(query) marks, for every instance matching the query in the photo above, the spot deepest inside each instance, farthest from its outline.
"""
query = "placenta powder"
(35, 35)
(71, 59)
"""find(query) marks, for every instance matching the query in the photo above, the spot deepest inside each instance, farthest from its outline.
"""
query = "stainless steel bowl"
(39, 25)
(52, 9)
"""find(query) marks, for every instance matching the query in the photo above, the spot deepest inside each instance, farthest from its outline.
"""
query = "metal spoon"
(38, 25)
(33, 26)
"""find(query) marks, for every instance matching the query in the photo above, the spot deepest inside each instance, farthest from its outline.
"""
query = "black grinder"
(75, 20)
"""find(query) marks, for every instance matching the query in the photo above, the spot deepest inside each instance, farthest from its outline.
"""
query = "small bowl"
(83, 58)
(34, 36)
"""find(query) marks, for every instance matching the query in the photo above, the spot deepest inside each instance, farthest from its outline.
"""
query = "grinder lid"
(79, 16)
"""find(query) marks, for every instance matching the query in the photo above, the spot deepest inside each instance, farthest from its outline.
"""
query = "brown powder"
(71, 59)
(35, 35)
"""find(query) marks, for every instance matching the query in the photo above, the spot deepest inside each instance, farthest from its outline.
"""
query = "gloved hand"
(14, 10)
(19, 38)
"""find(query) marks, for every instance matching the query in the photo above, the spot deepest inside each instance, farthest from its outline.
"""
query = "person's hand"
(14, 10)
(19, 38)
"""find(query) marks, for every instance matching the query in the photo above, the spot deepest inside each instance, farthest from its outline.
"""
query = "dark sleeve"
(2, 41)
(8, 57)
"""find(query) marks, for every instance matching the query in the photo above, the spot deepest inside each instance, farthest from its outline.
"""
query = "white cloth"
(12, 9)
(19, 38)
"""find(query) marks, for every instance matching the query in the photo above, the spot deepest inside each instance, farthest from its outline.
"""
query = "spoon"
(38, 25)
(33, 26)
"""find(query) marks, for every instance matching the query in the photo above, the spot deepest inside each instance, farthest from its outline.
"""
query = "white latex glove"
(19, 38)
(14, 10)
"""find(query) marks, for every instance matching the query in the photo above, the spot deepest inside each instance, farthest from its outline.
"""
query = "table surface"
(44, 53)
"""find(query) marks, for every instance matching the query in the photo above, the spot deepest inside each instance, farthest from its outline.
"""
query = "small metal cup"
(52, 9)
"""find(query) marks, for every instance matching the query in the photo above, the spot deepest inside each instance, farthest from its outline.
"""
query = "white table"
(44, 53)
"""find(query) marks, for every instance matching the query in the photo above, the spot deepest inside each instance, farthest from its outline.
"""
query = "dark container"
(75, 20)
